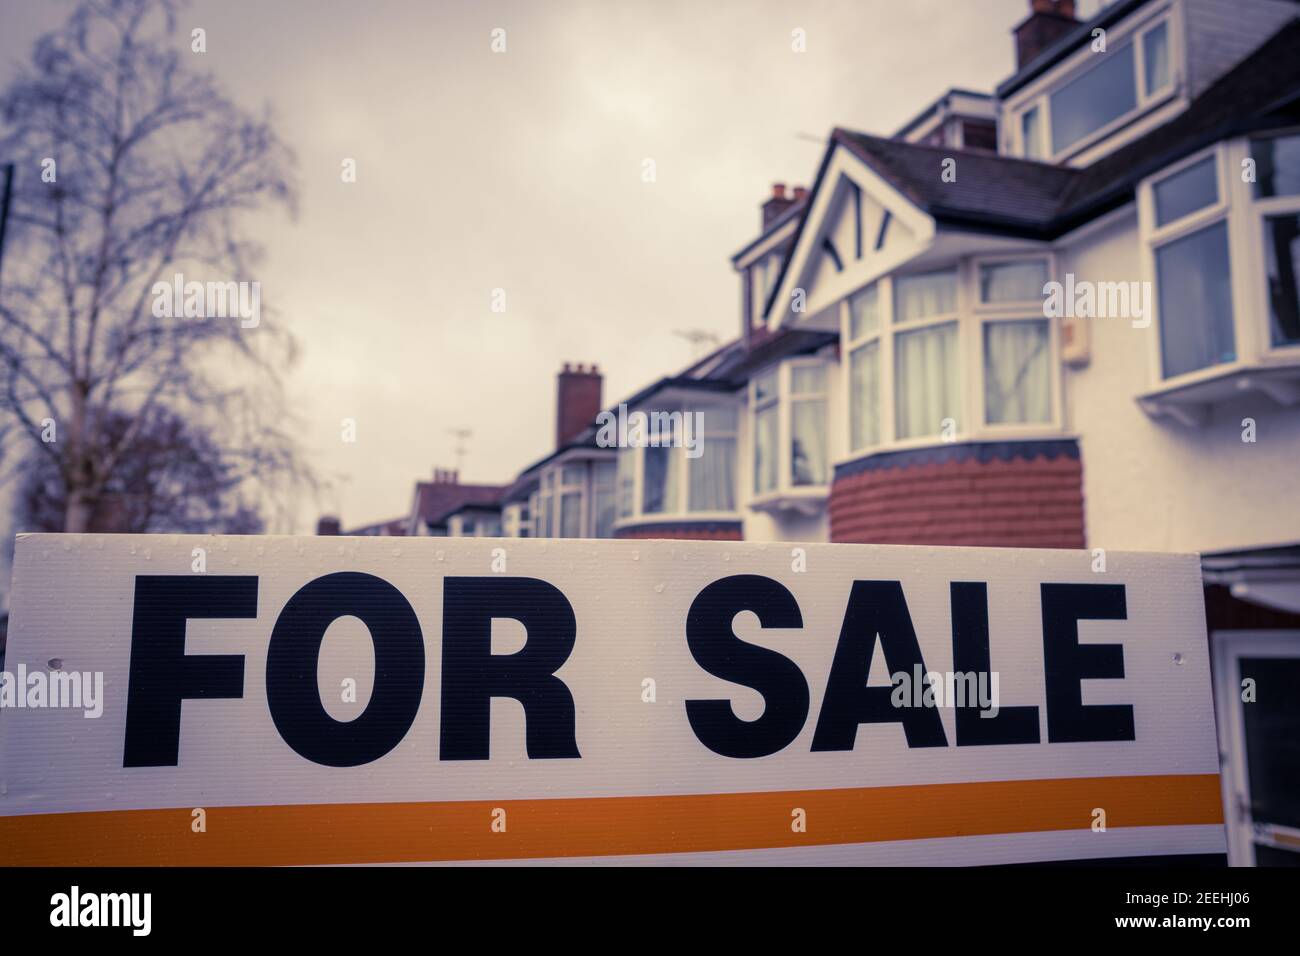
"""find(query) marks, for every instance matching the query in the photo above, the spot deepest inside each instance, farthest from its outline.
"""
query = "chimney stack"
(328, 524)
(778, 203)
(446, 476)
(578, 397)
(1048, 21)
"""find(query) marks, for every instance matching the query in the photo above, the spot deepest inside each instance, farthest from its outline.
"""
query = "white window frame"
(1079, 63)
(961, 305)
(971, 316)
(784, 402)
(677, 460)
(1256, 210)
(986, 313)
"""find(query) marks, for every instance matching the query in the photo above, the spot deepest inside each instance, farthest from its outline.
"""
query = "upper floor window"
(1109, 88)
(1221, 233)
(788, 403)
(1277, 197)
(1193, 269)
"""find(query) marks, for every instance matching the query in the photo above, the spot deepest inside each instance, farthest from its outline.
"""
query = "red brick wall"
(1005, 494)
(685, 530)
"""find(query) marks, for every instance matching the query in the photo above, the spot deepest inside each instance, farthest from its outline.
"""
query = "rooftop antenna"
(462, 435)
(700, 339)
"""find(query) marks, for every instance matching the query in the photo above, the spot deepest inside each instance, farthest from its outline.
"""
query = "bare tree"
(133, 168)
(176, 479)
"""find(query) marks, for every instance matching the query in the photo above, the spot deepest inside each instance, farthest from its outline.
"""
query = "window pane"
(602, 516)
(571, 515)
(1013, 281)
(864, 312)
(719, 419)
(488, 527)
(1017, 372)
(765, 385)
(1031, 133)
(864, 396)
(807, 379)
(926, 382)
(544, 515)
(659, 494)
(1282, 251)
(765, 450)
(572, 475)
(713, 476)
(808, 457)
(1277, 165)
(1195, 301)
(603, 473)
(921, 296)
(1106, 92)
(1185, 192)
(626, 481)
(1155, 54)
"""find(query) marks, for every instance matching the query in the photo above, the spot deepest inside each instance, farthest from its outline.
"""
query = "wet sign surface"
(283, 700)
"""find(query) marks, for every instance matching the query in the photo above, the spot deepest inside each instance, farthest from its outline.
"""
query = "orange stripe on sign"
(599, 826)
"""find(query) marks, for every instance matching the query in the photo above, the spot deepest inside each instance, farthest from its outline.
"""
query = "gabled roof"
(1018, 193)
(1010, 196)
(435, 500)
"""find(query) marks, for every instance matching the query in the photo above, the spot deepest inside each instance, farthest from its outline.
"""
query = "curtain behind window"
(926, 379)
(1017, 372)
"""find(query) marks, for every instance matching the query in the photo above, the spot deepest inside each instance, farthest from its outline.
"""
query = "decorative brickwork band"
(986, 494)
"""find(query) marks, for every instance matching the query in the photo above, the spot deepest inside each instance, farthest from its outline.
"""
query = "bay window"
(981, 321)
(1222, 230)
(1277, 199)
(789, 415)
(689, 472)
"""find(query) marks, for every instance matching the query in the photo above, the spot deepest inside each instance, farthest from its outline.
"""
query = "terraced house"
(1064, 313)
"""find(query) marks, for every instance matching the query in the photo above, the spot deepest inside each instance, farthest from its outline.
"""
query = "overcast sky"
(522, 171)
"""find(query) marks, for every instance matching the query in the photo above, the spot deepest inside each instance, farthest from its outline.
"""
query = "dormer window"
(1106, 90)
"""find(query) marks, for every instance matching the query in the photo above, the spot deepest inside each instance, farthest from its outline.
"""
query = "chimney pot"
(800, 193)
(778, 190)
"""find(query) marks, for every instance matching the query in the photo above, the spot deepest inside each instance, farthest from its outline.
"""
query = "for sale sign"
(309, 700)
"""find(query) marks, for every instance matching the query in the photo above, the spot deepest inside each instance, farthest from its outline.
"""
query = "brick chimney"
(777, 204)
(446, 476)
(328, 524)
(578, 396)
(1048, 21)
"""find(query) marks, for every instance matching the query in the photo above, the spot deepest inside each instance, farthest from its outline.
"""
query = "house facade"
(1061, 314)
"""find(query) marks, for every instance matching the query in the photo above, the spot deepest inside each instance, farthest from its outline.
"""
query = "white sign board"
(316, 700)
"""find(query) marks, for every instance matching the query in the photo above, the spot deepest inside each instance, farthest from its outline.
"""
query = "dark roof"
(394, 526)
(435, 500)
(1003, 194)
(1019, 193)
